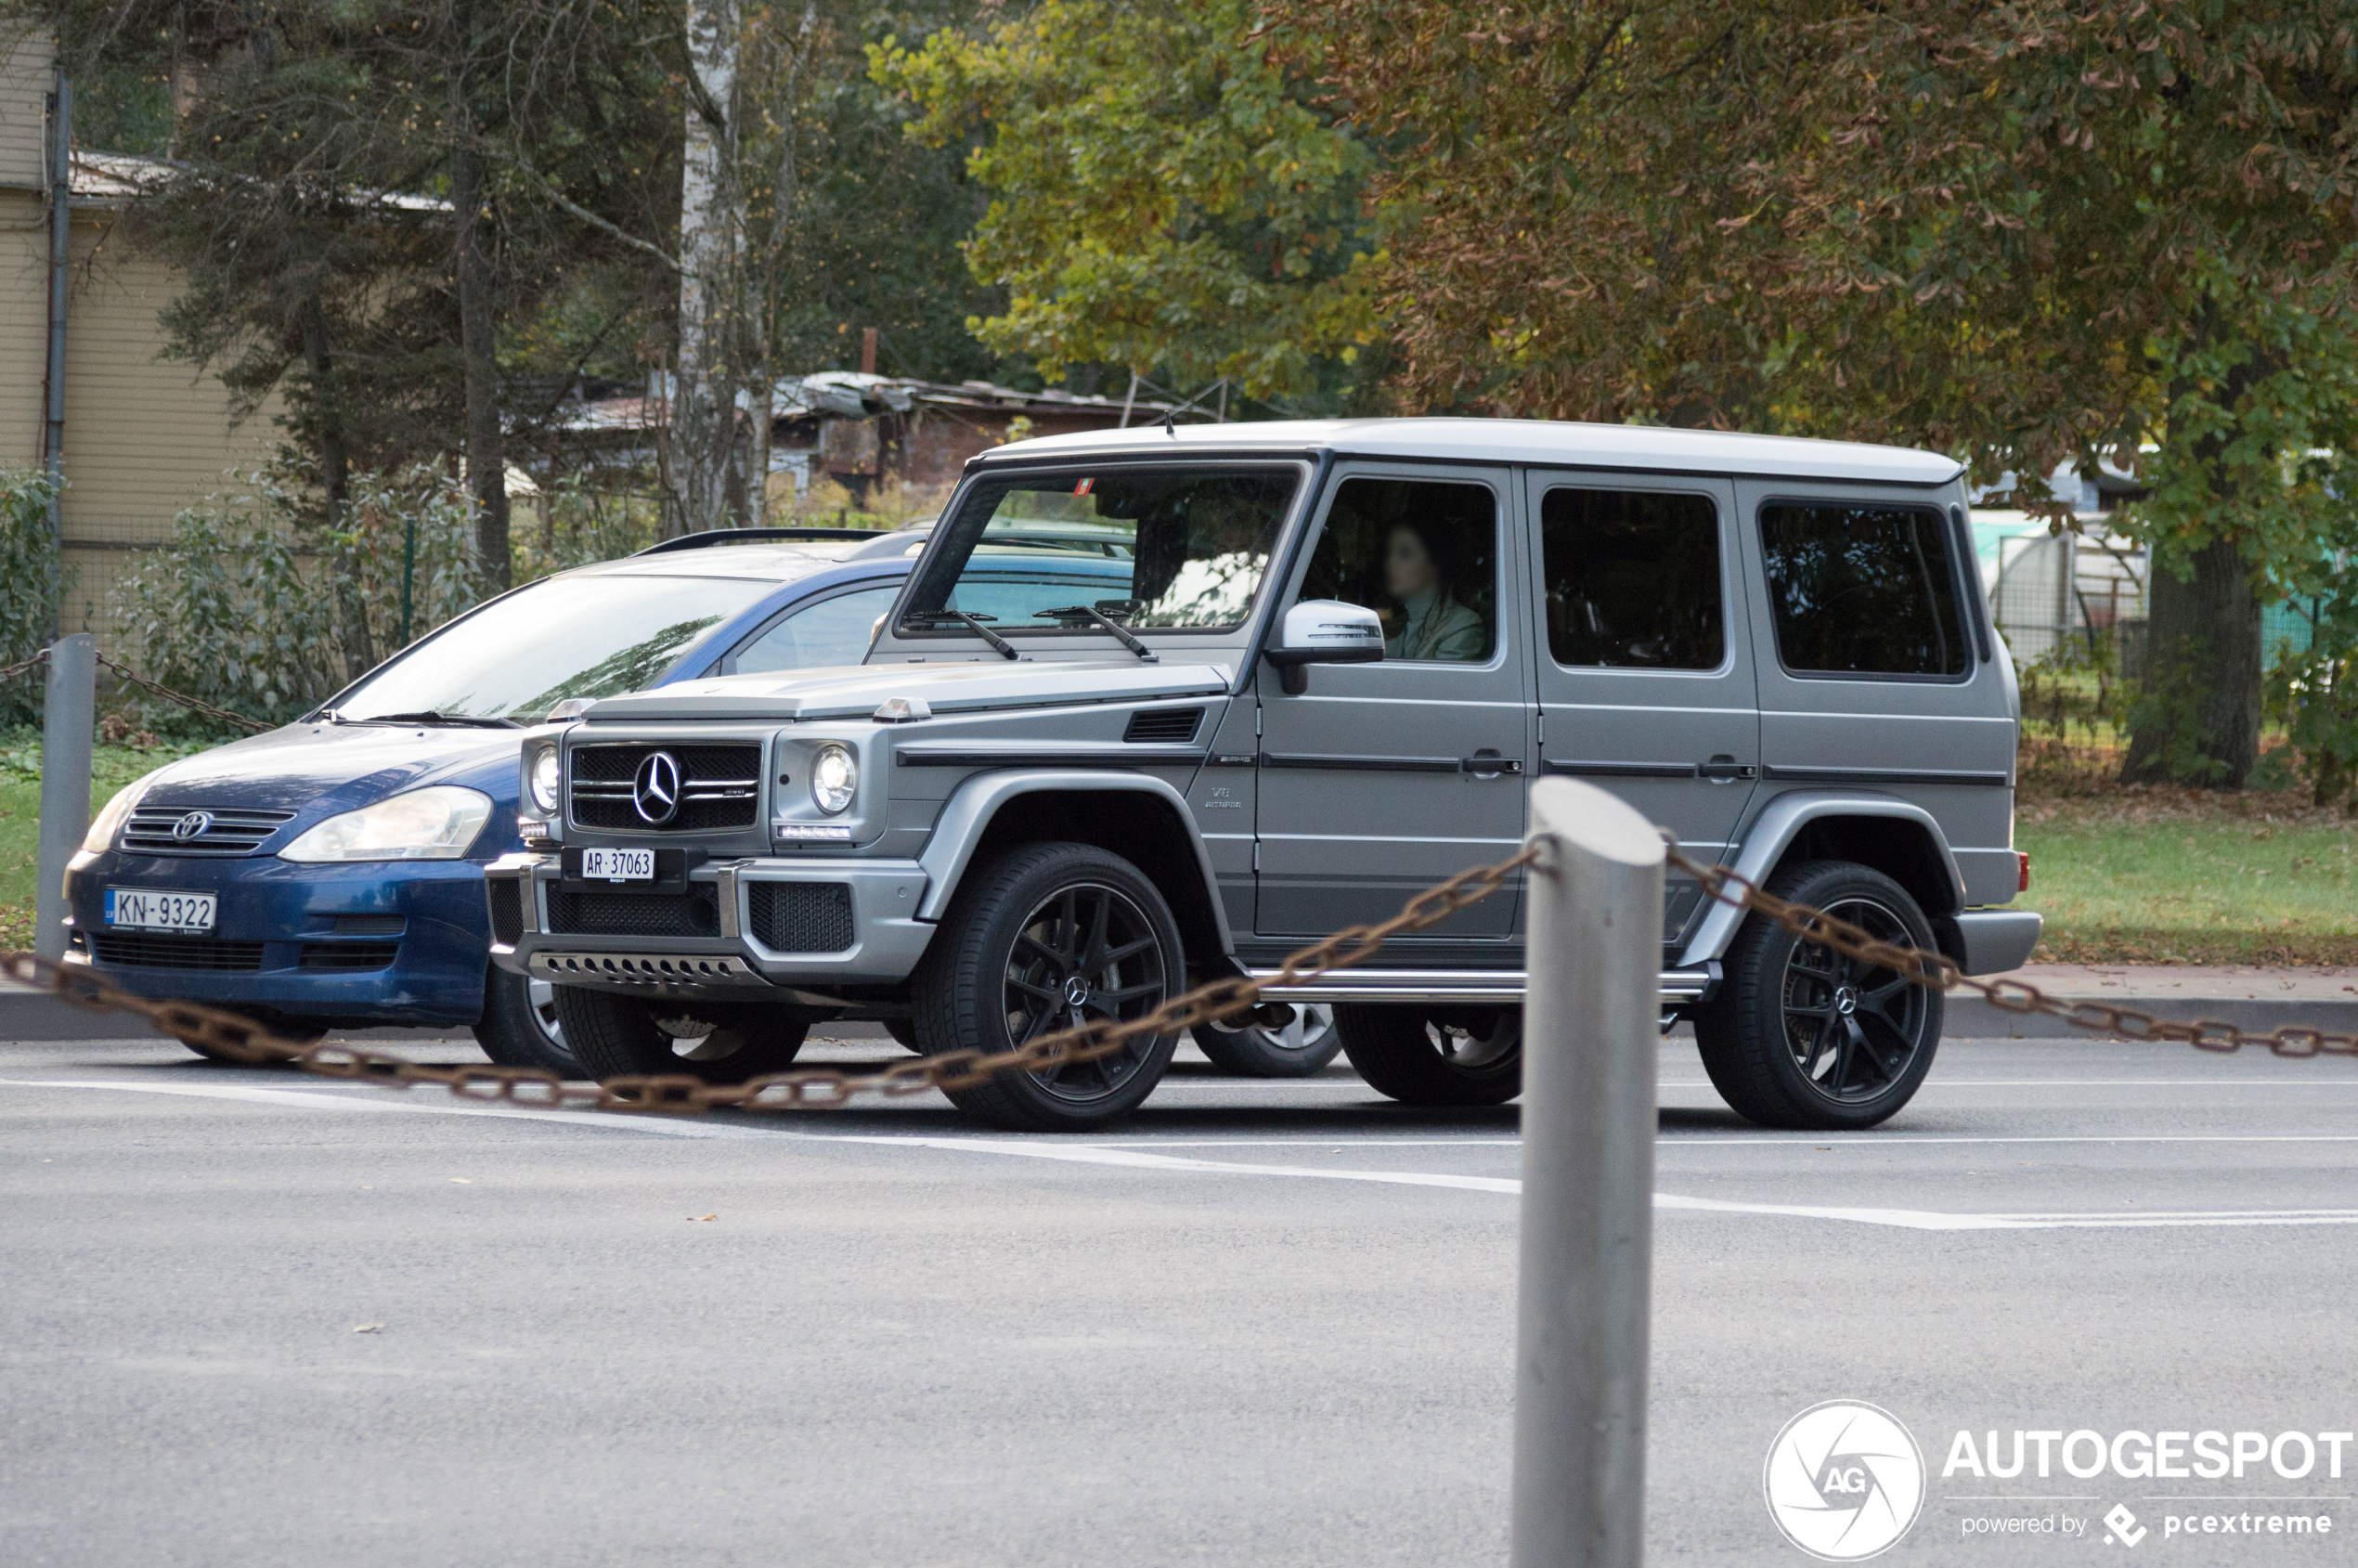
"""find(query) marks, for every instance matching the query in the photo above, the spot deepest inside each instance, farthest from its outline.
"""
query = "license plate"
(617, 865)
(148, 910)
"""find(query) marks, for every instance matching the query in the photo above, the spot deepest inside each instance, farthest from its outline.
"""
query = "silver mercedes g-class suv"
(1159, 706)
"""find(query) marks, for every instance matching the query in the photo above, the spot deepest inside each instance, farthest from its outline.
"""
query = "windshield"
(567, 637)
(1154, 547)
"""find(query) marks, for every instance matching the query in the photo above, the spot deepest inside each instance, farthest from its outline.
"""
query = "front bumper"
(746, 950)
(370, 942)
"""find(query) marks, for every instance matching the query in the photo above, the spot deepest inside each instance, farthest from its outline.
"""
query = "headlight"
(100, 839)
(544, 781)
(426, 824)
(834, 776)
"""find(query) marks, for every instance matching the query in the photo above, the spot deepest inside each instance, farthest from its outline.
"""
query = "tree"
(2032, 232)
(1164, 196)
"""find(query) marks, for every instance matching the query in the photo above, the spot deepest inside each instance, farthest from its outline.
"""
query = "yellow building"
(145, 435)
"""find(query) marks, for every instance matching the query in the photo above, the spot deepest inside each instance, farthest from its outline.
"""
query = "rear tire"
(1801, 1038)
(1040, 937)
(617, 1036)
(1300, 1049)
(1426, 1056)
(520, 1028)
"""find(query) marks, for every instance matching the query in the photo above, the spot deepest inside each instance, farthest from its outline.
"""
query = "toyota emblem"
(655, 791)
(196, 824)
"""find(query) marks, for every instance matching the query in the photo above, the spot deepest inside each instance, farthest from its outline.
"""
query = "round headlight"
(544, 781)
(835, 774)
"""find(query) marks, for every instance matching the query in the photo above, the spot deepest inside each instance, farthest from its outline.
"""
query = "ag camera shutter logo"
(1844, 1481)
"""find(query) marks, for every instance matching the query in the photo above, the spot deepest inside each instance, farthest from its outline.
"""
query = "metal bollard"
(1592, 1032)
(68, 716)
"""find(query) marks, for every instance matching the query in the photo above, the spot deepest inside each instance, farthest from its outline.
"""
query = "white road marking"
(1136, 1158)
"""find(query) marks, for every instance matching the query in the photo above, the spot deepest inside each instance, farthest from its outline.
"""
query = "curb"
(1970, 1017)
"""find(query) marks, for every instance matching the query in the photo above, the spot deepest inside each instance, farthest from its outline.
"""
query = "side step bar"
(1680, 986)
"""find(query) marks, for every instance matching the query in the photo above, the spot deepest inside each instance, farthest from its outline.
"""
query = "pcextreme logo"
(1844, 1480)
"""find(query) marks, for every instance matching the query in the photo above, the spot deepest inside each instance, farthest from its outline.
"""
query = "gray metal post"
(68, 716)
(1591, 1030)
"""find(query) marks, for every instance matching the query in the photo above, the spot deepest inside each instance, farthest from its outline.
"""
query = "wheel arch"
(1898, 837)
(1138, 816)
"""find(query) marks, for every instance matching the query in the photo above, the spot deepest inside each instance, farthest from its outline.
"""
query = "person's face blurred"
(1408, 569)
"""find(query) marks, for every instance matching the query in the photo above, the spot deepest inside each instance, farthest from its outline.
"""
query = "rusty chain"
(1936, 971)
(166, 693)
(226, 1036)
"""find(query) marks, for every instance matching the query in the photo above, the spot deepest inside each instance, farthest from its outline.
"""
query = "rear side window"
(1633, 580)
(1862, 589)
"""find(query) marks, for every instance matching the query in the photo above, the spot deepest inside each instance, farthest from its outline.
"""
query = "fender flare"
(1774, 830)
(972, 805)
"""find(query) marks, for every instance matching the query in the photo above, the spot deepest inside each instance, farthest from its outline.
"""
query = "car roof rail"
(710, 536)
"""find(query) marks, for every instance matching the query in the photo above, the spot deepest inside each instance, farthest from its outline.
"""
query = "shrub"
(28, 609)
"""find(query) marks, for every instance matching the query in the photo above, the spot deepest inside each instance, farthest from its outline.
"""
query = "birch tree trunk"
(486, 453)
(703, 391)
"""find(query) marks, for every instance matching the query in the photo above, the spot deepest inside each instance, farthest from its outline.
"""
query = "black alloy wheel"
(1042, 938)
(1802, 1036)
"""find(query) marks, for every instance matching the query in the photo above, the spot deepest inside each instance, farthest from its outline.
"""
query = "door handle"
(1488, 764)
(1723, 769)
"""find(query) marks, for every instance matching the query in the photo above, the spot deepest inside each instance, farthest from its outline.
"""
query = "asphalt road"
(1266, 1323)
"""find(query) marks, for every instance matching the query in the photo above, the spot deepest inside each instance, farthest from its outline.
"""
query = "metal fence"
(2082, 599)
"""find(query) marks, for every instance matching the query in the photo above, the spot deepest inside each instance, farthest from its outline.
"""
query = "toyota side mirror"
(1324, 631)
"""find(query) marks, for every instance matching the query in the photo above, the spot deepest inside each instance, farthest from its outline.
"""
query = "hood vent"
(1163, 726)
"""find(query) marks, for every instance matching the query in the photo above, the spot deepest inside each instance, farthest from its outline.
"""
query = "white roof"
(1519, 441)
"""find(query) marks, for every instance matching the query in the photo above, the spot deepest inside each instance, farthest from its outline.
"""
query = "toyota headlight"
(426, 824)
(100, 839)
(834, 776)
(545, 776)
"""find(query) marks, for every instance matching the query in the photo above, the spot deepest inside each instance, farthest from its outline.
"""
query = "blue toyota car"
(328, 874)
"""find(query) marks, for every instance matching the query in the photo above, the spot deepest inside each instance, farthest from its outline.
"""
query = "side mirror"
(1324, 631)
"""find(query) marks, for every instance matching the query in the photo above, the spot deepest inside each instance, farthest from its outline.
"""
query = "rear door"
(1382, 779)
(1645, 667)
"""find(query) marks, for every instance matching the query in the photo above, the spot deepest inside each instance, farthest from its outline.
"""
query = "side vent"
(1163, 726)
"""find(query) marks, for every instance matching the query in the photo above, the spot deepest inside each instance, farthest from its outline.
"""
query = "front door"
(1383, 779)
(1645, 663)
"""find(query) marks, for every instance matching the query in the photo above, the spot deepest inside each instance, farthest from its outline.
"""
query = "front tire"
(520, 1027)
(1425, 1056)
(1041, 938)
(1801, 1037)
(618, 1036)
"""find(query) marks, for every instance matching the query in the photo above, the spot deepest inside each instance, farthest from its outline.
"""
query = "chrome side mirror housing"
(1324, 631)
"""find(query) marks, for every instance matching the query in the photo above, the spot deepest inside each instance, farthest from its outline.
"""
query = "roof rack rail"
(710, 536)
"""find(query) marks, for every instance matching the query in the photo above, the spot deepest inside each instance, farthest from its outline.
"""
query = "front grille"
(349, 958)
(719, 787)
(507, 910)
(141, 950)
(600, 911)
(1165, 726)
(212, 830)
(800, 917)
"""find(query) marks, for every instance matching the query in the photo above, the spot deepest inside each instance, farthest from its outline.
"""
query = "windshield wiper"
(433, 716)
(974, 624)
(1090, 613)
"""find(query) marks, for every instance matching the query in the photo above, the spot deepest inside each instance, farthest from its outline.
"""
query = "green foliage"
(1165, 197)
(28, 557)
(406, 533)
(2314, 691)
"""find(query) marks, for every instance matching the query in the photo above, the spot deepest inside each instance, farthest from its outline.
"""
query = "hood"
(339, 767)
(854, 691)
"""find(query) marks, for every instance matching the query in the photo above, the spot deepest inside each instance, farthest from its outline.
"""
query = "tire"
(617, 1036)
(905, 1031)
(1026, 928)
(1799, 1037)
(1296, 1051)
(519, 1027)
(1425, 1056)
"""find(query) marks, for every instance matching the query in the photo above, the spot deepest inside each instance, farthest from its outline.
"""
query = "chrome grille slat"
(721, 780)
(229, 831)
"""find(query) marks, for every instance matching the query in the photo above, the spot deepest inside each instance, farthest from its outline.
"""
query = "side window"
(1423, 555)
(1633, 580)
(1862, 589)
(832, 631)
